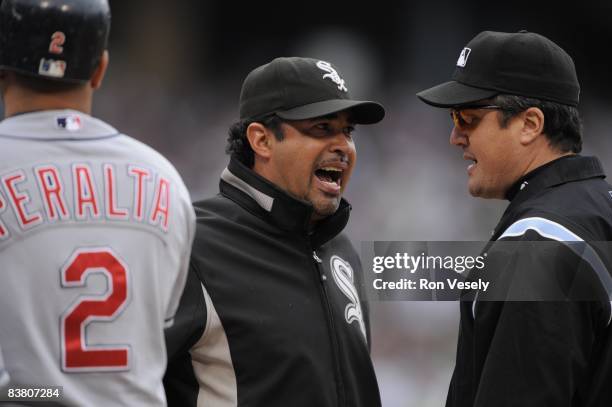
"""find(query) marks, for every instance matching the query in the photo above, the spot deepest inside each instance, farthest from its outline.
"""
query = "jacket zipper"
(331, 326)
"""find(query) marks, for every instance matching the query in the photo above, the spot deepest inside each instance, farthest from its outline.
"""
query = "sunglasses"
(463, 121)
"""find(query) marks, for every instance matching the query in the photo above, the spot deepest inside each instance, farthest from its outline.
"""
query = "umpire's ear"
(261, 140)
(532, 126)
(98, 75)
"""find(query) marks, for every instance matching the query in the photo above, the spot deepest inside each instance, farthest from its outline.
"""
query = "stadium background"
(174, 80)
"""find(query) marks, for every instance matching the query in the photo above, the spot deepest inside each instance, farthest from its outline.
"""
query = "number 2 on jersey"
(77, 355)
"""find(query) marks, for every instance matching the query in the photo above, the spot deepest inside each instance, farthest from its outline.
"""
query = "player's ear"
(533, 125)
(98, 75)
(261, 139)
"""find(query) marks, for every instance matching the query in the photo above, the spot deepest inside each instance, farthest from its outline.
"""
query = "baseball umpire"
(95, 227)
(513, 98)
(272, 314)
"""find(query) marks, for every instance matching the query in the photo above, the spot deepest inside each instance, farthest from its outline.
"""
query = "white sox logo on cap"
(333, 74)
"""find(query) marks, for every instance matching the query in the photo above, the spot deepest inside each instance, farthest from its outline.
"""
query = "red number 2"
(77, 355)
(57, 41)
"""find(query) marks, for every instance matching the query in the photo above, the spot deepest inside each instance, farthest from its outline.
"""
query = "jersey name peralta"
(83, 192)
(95, 235)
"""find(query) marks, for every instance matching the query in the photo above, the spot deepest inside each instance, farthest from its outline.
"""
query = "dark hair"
(562, 124)
(43, 85)
(237, 143)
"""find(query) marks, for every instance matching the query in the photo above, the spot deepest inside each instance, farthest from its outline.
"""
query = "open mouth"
(473, 162)
(330, 175)
(472, 166)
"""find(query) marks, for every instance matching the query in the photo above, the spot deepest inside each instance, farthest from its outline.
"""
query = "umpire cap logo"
(463, 57)
(332, 74)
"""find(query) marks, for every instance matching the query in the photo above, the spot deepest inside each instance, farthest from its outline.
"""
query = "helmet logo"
(57, 41)
(52, 68)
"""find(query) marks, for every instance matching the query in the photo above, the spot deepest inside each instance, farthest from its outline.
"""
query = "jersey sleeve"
(180, 382)
(199, 362)
(190, 318)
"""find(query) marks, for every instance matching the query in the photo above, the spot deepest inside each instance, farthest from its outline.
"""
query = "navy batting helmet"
(56, 39)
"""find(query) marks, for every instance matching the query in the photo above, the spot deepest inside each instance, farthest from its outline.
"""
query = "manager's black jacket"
(272, 314)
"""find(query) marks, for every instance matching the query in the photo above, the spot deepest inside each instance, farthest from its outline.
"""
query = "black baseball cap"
(297, 88)
(524, 63)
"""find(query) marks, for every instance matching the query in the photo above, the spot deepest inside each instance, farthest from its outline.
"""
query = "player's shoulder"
(217, 207)
(209, 204)
(541, 225)
(142, 154)
(340, 245)
(342, 240)
(584, 207)
(137, 149)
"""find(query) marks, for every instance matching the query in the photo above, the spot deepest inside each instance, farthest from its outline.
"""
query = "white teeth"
(336, 184)
(331, 169)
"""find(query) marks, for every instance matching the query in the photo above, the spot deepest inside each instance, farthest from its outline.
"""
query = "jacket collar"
(560, 171)
(270, 203)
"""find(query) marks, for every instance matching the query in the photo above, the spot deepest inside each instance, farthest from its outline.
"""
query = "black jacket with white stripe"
(271, 315)
(556, 348)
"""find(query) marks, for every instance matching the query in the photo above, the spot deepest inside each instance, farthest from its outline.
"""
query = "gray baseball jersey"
(95, 236)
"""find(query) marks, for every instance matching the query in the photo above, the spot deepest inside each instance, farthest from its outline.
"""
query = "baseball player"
(95, 227)
(272, 313)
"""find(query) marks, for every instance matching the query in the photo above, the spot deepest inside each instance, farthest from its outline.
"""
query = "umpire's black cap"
(301, 88)
(524, 63)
